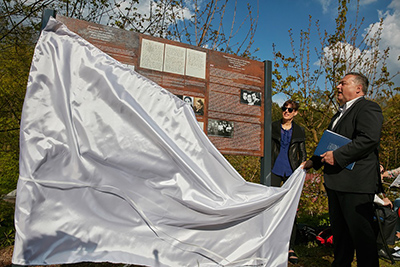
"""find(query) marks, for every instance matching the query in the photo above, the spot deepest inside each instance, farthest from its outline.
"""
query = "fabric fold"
(115, 168)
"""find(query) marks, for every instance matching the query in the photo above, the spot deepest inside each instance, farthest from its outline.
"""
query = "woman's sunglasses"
(290, 110)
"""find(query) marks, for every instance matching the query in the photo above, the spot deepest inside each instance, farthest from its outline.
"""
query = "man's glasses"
(290, 110)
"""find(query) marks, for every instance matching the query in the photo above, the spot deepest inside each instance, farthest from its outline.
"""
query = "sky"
(278, 16)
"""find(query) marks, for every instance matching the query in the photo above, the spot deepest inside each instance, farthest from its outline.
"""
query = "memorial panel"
(225, 91)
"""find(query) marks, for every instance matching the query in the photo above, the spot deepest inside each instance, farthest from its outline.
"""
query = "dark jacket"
(362, 123)
(297, 149)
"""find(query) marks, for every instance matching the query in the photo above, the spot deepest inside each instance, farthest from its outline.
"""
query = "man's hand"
(328, 158)
(307, 164)
(387, 202)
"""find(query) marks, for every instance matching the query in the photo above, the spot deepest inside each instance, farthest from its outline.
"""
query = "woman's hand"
(306, 165)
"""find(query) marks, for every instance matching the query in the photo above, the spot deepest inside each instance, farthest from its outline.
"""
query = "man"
(255, 98)
(351, 192)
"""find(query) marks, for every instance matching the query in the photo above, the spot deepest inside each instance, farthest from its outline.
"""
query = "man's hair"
(295, 105)
(360, 79)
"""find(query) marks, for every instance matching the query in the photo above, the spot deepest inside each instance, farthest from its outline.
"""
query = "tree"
(199, 23)
(314, 86)
(217, 36)
(390, 140)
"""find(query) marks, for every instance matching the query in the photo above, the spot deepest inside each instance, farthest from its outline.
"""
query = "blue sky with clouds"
(278, 16)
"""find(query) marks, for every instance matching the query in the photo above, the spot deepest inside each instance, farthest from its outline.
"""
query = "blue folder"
(331, 141)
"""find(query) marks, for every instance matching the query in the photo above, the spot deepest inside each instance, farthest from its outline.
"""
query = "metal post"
(47, 13)
(265, 178)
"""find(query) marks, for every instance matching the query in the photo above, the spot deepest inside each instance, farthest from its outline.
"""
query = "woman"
(288, 152)
(199, 107)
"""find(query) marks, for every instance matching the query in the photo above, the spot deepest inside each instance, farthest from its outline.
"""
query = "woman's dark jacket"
(297, 148)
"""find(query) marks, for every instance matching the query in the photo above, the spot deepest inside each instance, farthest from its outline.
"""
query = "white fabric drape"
(115, 168)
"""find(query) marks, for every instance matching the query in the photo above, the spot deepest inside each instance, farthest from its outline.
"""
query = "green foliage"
(247, 166)
(7, 231)
(15, 57)
(8, 171)
(276, 112)
(390, 139)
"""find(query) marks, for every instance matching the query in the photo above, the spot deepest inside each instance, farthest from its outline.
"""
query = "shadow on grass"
(310, 255)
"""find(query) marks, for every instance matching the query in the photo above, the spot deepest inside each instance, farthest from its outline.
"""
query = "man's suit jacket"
(362, 123)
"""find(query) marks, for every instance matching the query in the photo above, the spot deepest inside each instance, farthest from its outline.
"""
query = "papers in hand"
(396, 182)
(331, 141)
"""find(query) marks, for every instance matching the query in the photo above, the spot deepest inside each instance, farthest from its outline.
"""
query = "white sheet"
(115, 168)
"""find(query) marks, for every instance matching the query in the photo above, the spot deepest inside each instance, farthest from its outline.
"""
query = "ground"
(309, 256)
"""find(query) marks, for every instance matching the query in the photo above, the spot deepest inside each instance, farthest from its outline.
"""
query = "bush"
(313, 206)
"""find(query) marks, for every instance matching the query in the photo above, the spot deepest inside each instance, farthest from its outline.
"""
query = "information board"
(225, 91)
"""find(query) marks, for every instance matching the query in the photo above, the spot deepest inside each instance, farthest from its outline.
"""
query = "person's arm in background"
(391, 173)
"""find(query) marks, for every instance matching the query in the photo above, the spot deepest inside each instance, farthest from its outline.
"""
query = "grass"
(313, 255)
(310, 255)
